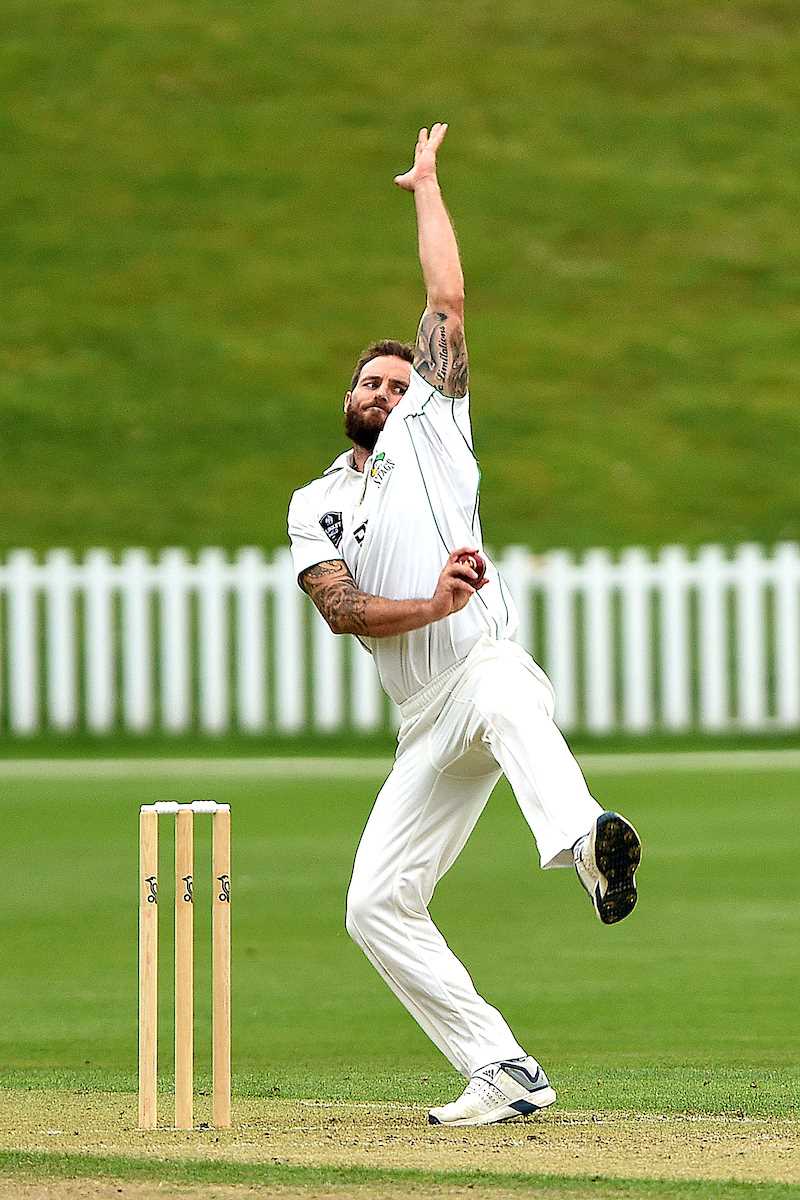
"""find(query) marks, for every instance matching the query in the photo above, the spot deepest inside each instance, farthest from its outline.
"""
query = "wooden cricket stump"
(184, 961)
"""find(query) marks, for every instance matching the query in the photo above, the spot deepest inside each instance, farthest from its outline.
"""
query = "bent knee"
(353, 913)
(372, 909)
(363, 909)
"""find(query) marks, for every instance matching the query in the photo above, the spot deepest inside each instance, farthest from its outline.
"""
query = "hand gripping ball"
(475, 561)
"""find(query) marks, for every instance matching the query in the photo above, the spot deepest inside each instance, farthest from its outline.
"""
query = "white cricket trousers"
(489, 715)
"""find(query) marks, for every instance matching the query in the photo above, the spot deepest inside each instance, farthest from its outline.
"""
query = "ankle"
(578, 847)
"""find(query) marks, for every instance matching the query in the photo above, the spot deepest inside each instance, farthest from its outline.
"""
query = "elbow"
(357, 629)
(345, 624)
(449, 301)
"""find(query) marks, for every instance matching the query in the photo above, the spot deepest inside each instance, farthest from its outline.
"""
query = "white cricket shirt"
(394, 525)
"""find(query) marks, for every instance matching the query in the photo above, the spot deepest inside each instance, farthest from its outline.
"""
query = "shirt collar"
(344, 461)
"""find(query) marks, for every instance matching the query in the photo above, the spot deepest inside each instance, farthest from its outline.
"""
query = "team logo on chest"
(332, 523)
(381, 468)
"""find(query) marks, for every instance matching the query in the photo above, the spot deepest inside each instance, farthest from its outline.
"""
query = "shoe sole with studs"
(617, 854)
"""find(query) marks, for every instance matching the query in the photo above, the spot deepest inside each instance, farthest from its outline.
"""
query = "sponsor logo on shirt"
(360, 533)
(333, 525)
(381, 468)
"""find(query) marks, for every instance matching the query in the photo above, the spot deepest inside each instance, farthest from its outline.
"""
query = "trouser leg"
(418, 826)
(514, 701)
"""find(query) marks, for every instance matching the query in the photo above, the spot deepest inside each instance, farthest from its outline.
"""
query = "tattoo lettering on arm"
(335, 593)
(440, 356)
(459, 368)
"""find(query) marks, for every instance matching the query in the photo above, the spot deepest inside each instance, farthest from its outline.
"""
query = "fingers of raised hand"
(437, 135)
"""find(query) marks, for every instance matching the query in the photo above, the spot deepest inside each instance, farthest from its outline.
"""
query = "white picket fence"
(709, 641)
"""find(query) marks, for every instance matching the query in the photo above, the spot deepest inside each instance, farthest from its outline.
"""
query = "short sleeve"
(449, 413)
(420, 393)
(309, 542)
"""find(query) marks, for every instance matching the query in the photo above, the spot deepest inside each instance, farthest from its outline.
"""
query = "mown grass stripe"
(369, 767)
(179, 1171)
(714, 1091)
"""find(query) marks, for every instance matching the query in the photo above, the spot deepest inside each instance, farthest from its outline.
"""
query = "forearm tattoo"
(441, 353)
(335, 593)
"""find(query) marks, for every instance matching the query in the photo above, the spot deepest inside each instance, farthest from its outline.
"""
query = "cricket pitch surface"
(101, 1127)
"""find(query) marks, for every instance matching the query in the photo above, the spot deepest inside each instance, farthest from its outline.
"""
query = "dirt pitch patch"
(120, 1189)
(313, 1133)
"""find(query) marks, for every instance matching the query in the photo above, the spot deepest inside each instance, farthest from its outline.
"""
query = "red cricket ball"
(475, 561)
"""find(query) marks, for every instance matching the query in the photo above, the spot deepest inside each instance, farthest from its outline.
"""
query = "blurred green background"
(200, 233)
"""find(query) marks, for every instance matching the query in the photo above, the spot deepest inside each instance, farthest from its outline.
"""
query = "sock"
(577, 849)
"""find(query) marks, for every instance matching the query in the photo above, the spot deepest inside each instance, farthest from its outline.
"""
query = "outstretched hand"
(424, 157)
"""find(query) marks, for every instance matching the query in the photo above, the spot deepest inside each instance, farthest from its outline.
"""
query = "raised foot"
(606, 861)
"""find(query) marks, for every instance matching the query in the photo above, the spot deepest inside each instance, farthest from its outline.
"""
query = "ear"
(347, 398)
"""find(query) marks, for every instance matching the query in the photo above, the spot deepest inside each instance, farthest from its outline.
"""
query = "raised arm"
(441, 351)
(348, 610)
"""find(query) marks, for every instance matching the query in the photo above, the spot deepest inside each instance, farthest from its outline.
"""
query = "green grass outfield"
(680, 1019)
(200, 232)
(361, 1181)
(687, 1008)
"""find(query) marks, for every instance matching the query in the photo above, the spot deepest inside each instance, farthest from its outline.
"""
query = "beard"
(363, 428)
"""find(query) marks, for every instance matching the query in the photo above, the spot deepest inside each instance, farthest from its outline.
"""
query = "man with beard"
(388, 545)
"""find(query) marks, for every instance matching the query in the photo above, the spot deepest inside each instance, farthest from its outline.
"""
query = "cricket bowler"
(387, 543)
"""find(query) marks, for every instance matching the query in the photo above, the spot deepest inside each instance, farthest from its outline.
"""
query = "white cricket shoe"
(499, 1092)
(606, 859)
